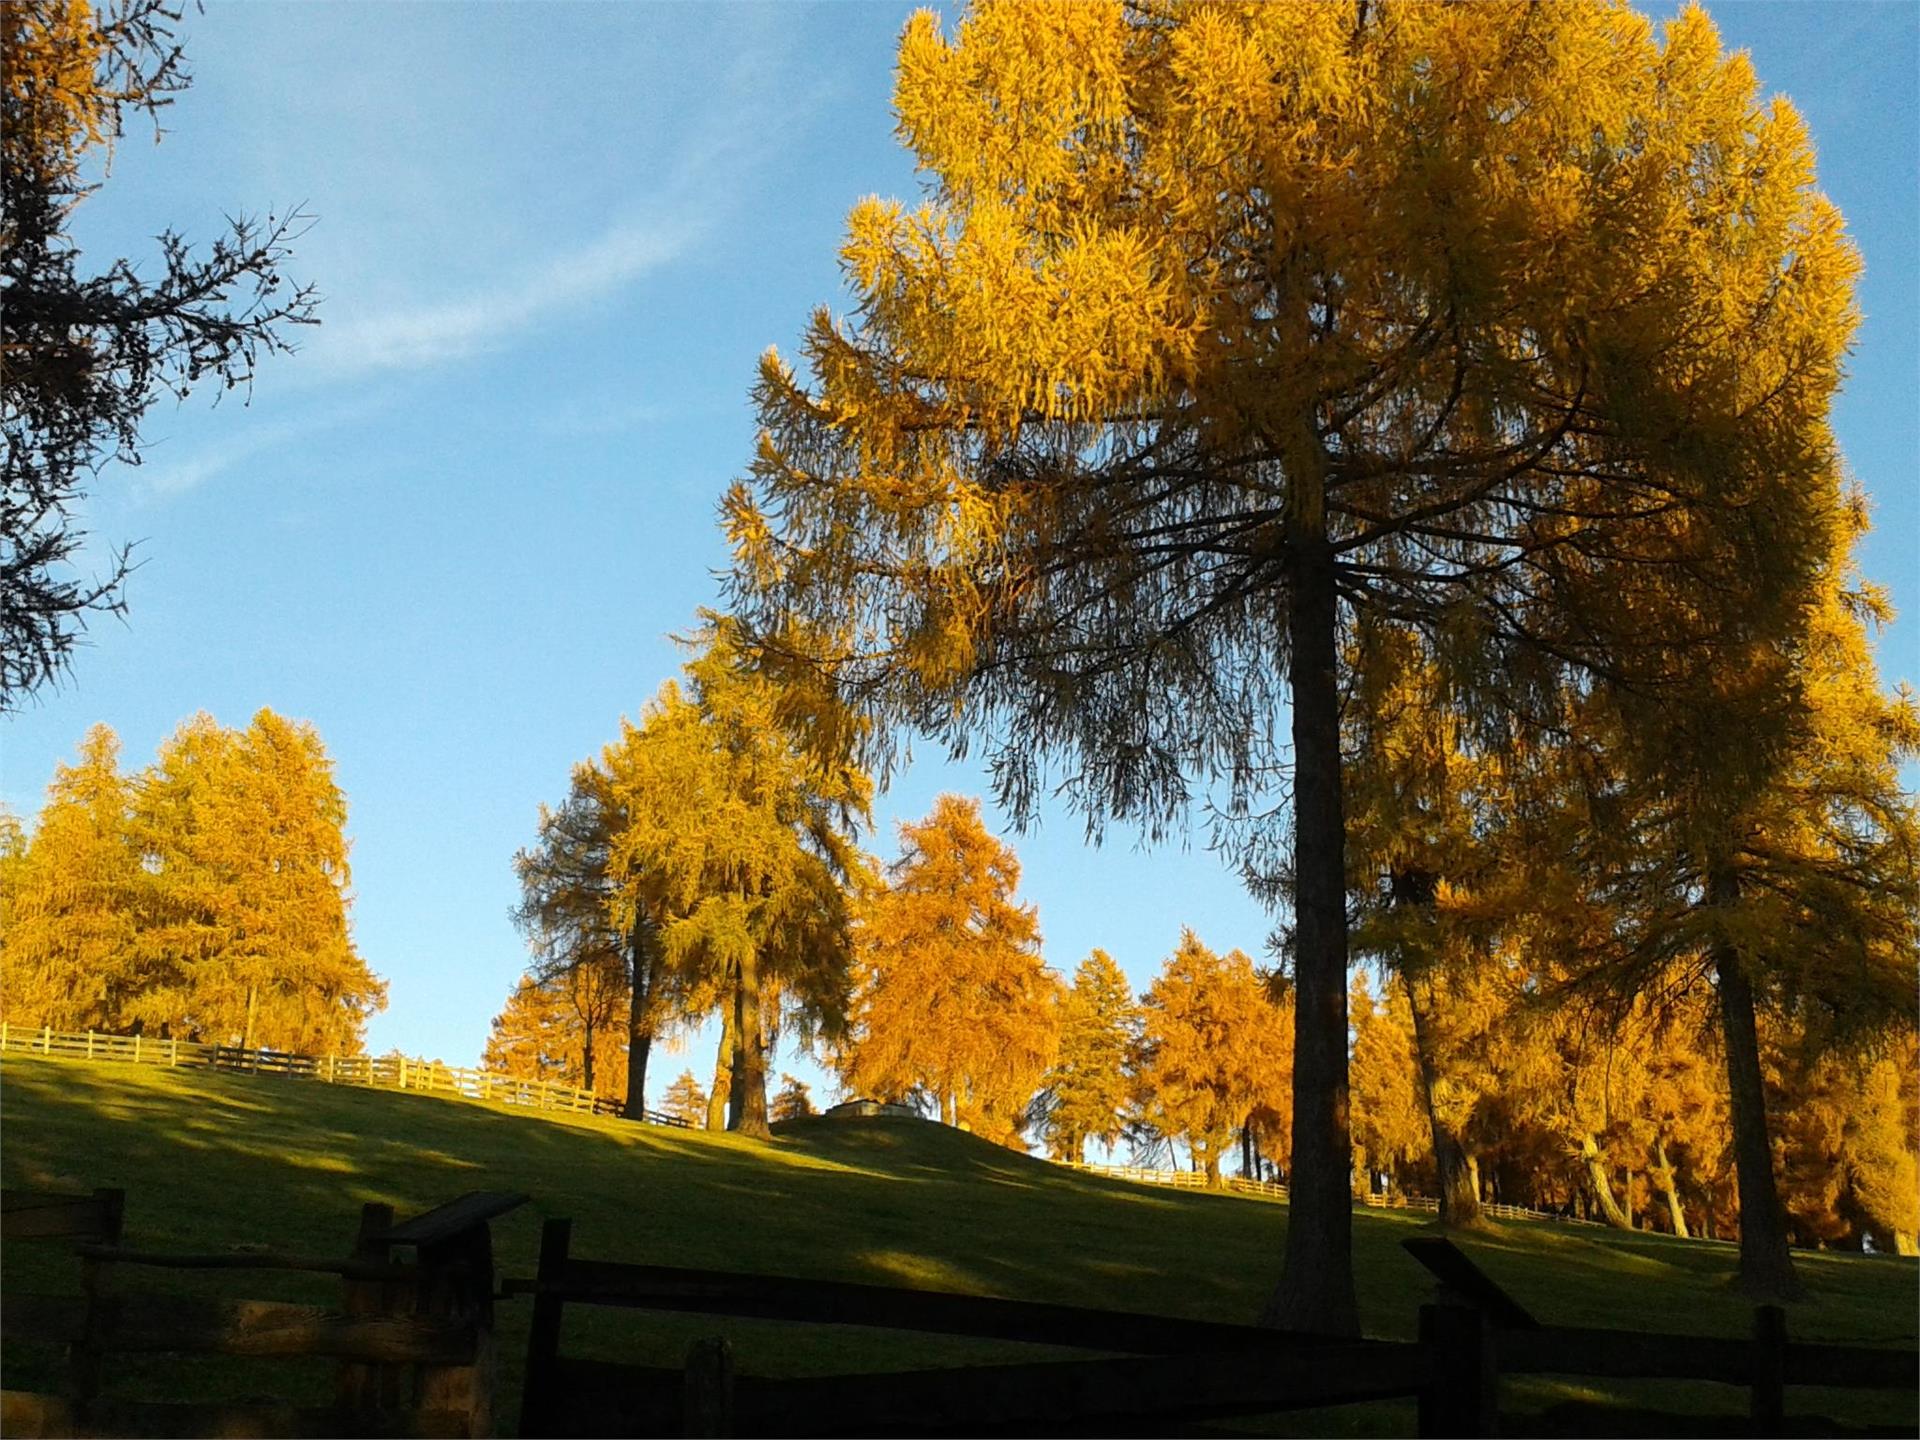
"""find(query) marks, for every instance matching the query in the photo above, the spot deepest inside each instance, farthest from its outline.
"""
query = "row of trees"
(939, 998)
(204, 898)
(1533, 1096)
(700, 865)
(1626, 1119)
(1410, 430)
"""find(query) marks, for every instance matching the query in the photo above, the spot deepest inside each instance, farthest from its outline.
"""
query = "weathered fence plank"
(26, 1414)
(187, 1325)
(837, 1302)
(39, 1215)
(1624, 1354)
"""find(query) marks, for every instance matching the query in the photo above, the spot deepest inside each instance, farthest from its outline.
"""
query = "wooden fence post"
(543, 1332)
(174, 1041)
(89, 1044)
(1769, 1412)
(5, 1034)
(85, 1356)
(358, 1384)
(46, 1040)
(1463, 1399)
(136, 1047)
(456, 1280)
(707, 1407)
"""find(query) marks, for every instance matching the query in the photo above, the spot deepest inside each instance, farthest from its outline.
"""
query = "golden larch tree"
(952, 999)
(68, 957)
(244, 929)
(1213, 1048)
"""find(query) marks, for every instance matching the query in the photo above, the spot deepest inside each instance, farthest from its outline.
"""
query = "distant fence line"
(1240, 1185)
(378, 1072)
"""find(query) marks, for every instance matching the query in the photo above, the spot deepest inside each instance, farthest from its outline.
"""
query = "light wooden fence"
(380, 1072)
(1240, 1185)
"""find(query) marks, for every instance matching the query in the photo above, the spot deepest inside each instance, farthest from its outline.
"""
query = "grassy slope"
(211, 1162)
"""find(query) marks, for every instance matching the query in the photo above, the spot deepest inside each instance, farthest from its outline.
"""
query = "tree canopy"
(85, 355)
(1217, 330)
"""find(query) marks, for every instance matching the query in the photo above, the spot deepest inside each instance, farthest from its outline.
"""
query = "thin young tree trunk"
(1766, 1266)
(748, 1102)
(1601, 1186)
(1316, 1291)
(1459, 1195)
(722, 1071)
(641, 977)
(1663, 1174)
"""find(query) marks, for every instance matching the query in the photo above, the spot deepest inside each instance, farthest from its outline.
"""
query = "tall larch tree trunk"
(1766, 1265)
(1601, 1186)
(1316, 1291)
(747, 1106)
(718, 1109)
(1459, 1195)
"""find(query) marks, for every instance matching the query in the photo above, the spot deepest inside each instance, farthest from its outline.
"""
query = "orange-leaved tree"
(685, 1100)
(952, 1000)
(1213, 1050)
(244, 930)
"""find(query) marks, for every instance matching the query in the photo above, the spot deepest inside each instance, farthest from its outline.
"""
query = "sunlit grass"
(212, 1161)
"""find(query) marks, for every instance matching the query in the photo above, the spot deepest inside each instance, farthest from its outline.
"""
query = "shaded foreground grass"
(214, 1161)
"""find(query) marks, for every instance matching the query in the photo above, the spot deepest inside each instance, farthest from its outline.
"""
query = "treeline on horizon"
(203, 898)
(704, 865)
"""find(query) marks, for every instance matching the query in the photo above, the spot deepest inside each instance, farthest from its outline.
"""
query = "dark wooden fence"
(1170, 1371)
(1158, 1372)
(1480, 1333)
(413, 1339)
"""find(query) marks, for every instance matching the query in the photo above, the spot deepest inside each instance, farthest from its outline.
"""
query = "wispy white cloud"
(160, 478)
(475, 324)
(714, 159)
(407, 289)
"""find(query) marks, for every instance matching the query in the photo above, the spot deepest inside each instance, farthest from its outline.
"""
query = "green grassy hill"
(211, 1161)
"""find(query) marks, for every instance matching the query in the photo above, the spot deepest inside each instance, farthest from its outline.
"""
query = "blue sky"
(456, 529)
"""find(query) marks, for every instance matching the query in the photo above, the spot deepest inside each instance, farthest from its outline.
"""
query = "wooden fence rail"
(1168, 1372)
(381, 1072)
(1173, 1370)
(1480, 1333)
